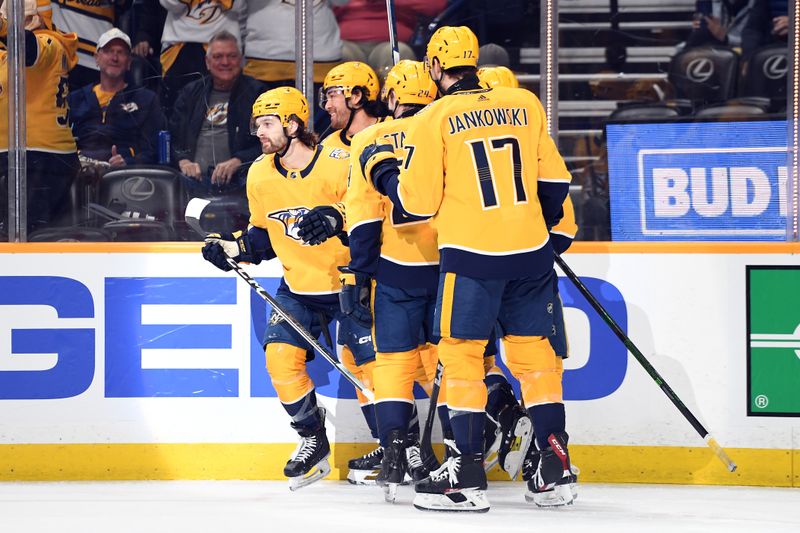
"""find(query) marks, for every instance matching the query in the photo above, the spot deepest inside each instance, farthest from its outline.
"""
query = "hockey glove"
(234, 245)
(560, 242)
(354, 300)
(320, 224)
(377, 163)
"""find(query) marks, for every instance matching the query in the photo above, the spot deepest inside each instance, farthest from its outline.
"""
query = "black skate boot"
(492, 437)
(418, 468)
(309, 462)
(516, 431)
(458, 486)
(363, 470)
(549, 474)
(393, 465)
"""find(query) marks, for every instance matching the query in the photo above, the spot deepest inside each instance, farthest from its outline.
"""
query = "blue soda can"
(164, 147)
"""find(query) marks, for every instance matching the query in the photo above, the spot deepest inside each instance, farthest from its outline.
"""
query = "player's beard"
(274, 147)
(339, 120)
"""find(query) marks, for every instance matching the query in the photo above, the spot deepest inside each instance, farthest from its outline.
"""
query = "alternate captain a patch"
(289, 218)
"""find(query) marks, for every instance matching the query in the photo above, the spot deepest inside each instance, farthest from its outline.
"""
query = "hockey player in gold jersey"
(52, 159)
(509, 428)
(349, 94)
(294, 174)
(399, 253)
(486, 170)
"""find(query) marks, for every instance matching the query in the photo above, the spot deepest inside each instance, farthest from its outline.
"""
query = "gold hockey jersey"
(46, 90)
(408, 254)
(279, 196)
(483, 165)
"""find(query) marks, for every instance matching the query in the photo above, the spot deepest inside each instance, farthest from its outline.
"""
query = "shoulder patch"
(338, 153)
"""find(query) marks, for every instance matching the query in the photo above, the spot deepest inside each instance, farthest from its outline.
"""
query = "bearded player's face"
(270, 132)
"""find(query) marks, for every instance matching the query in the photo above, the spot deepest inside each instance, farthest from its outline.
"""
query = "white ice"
(330, 506)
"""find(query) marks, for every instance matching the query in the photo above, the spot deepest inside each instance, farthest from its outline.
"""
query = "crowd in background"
(120, 83)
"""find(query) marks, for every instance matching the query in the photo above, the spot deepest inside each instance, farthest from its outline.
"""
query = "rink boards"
(141, 361)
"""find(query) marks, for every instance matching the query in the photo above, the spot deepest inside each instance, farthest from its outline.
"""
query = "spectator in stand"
(89, 20)
(768, 23)
(112, 121)
(150, 18)
(491, 54)
(52, 159)
(210, 125)
(364, 22)
(188, 26)
(269, 42)
(723, 26)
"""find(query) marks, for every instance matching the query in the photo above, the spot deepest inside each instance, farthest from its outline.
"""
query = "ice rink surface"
(329, 506)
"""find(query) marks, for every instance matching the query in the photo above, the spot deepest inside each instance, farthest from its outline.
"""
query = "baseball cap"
(110, 35)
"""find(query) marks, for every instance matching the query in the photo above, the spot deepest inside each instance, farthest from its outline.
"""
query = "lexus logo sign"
(700, 70)
(775, 67)
(138, 189)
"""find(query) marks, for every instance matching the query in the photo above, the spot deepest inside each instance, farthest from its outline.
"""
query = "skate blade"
(466, 501)
(390, 492)
(319, 471)
(523, 433)
(363, 477)
(559, 496)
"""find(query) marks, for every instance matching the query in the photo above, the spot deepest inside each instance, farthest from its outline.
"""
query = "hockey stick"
(192, 216)
(425, 446)
(393, 31)
(706, 436)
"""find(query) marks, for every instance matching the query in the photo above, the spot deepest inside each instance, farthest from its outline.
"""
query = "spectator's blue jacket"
(132, 122)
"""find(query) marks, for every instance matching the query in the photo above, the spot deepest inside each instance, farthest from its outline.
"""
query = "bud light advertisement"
(698, 181)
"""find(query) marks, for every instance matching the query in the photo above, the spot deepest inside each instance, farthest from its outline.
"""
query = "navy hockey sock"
(547, 418)
(369, 415)
(444, 419)
(304, 411)
(468, 431)
(392, 416)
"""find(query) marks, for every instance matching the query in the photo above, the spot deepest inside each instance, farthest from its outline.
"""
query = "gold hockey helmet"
(410, 83)
(453, 46)
(348, 76)
(497, 77)
(282, 102)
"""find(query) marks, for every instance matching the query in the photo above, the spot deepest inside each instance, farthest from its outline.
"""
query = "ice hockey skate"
(492, 439)
(552, 477)
(417, 470)
(364, 470)
(393, 466)
(459, 485)
(516, 432)
(309, 461)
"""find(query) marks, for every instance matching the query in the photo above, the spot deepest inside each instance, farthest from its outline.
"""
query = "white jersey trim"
(409, 263)
(496, 254)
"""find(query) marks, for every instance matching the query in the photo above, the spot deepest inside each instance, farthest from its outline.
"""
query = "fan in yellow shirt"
(52, 160)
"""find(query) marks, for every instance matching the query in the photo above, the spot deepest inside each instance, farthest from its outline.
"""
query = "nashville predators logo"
(217, 114)
(289, 218)
(206, 11)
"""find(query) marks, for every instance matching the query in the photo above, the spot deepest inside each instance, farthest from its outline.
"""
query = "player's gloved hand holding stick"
(354, 300)
(237, 245)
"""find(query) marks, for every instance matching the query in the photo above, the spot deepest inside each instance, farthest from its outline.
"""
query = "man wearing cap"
(113, 121)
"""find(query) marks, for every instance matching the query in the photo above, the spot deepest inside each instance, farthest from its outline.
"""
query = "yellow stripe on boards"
(598, 464)
(447, 303)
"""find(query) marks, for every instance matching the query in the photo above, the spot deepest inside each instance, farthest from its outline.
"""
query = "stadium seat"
(69, 234)
(766, 73)
(637, 112)
(138, 231)
(729, 110)
(704, 74)
(145, 197)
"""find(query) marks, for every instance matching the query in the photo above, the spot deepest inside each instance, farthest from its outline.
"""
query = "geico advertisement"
(161, 336)
(163, 347)
(698, 181)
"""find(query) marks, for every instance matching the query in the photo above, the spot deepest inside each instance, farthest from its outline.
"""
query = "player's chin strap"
(288, 143)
